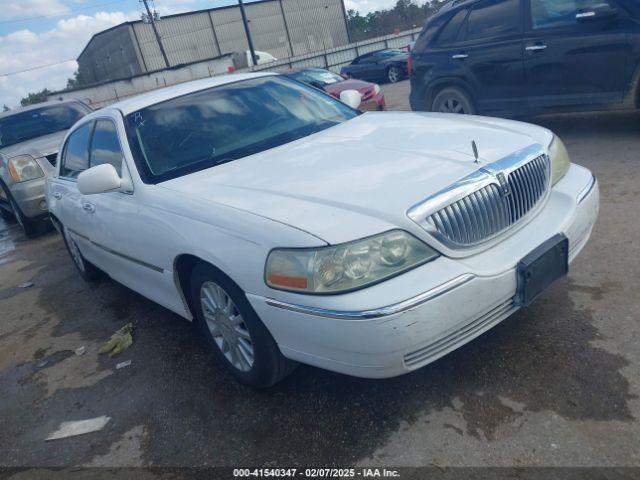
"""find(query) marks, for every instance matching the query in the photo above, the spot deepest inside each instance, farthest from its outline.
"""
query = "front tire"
(87, 270)
(6, 214)
(453, 100)
(394, 74)
(232, 329)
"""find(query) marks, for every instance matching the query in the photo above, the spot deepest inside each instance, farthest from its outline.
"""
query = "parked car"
(382, 66)
(528, 56)
(334, 84)
(29, 141)
(292, 227)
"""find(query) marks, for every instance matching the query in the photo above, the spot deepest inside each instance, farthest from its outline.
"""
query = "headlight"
(23, 168)
(376, 88)
(346, 267)
(560, 161)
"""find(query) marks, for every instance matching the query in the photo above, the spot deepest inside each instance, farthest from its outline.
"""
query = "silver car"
(30, 138)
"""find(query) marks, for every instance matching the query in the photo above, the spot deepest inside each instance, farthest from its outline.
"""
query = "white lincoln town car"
(291, 227)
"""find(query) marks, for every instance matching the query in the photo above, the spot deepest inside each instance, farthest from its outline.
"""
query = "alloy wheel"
(227, 327)
(451, 105)
(394, 75)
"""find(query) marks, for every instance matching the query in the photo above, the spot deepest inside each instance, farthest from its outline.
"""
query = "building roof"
(175, 15)
(143, 100)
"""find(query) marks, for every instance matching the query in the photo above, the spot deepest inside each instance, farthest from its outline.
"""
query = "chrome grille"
(489, 211)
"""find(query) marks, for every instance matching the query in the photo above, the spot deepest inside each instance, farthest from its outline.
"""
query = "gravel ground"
(556, 384)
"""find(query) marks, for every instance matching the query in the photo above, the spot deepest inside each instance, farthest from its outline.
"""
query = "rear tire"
(231, 328)
(87, 270)
(453, 100)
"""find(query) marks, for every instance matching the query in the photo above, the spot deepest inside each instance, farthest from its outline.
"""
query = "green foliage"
(33, 98)
(406, 14)
(76, 81)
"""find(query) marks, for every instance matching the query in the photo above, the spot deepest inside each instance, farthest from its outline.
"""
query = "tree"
(76, 81)
(37, 97)
(406, 14)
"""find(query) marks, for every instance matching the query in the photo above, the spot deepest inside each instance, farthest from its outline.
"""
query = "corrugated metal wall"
(315, 25)
(283, 28)
(111, 55)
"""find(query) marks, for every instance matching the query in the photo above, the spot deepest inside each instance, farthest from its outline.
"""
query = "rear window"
(493, 18)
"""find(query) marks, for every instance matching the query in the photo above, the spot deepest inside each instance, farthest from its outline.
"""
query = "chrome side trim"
(118, 254)
(376, 312)
(587, 190)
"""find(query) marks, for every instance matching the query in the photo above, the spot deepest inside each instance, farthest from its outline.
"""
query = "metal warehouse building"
(282, 28)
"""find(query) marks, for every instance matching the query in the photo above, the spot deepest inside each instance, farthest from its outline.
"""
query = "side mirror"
(351, 98)
(99, 179)
(599, 11)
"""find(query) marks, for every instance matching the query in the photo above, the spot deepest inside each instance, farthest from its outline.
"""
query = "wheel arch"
(183, 266)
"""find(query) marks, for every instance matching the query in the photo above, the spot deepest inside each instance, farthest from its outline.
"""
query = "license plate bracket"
(542, 267)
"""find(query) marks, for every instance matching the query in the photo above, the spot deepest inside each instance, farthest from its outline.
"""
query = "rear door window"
(105, 146)
(76, 153)
(493, 18)
(449, 33)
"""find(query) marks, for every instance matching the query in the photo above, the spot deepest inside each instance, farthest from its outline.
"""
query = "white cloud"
(24, 49)
(28, 8)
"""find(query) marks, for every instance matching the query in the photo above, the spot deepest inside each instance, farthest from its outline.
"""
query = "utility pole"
(152, 19)
(246, 30)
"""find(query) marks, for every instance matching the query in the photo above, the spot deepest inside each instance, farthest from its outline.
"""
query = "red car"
(333, 84)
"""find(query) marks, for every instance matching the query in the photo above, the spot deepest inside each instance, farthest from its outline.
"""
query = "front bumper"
(411, 320)
(29, 196)
(375, 103)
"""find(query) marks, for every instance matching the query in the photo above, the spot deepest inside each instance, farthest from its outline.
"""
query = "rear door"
(489, 52)
(573, 58)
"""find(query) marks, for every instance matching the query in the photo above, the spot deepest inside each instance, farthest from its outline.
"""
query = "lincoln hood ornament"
(475, 150)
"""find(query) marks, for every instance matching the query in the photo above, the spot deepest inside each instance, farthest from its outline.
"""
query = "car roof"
(156, 96)
(36, 106)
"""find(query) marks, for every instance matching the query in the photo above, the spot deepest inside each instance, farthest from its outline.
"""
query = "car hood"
(360, 177)
(36, 147)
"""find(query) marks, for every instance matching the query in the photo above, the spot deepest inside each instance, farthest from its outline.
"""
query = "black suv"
(517, 57)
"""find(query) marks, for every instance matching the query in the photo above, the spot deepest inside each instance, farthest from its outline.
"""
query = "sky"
(51, 33)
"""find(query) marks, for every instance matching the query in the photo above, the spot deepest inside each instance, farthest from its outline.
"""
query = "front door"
(575, 53)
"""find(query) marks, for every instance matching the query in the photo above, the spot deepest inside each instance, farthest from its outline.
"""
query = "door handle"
(89, 207)
(536, 48)
(460, 56)
(57, 195)
(588, 14)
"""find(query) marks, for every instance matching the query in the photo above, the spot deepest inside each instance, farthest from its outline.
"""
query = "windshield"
(23, 126)
(317, 76)
(206, 128)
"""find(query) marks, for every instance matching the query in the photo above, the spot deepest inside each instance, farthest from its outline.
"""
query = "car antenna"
(475, 150)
